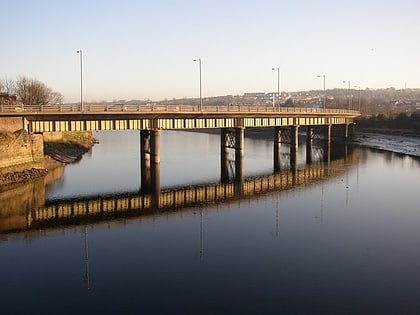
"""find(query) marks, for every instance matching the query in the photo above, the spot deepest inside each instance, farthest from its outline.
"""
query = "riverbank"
(389, 131)
(56, 153)
(402, 144)
(11, 179)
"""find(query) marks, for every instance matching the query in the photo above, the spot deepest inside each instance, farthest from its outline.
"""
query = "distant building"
(255, 95)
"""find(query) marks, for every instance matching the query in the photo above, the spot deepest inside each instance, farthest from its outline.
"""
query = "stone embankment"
(20, 177)
(68, 149)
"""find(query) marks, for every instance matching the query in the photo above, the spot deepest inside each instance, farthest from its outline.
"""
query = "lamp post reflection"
(87, 272)
(201, 235)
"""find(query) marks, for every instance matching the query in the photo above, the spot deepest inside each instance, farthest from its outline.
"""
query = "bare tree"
(7, 91)
(33, 92)
(7, 86)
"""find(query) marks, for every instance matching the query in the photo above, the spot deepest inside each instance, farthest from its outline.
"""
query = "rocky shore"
(22, 177)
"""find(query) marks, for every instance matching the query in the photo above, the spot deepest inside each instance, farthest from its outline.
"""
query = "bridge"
(232, 120)
(171, 201)
(50, 118)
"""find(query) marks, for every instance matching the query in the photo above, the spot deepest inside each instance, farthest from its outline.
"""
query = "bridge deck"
(121, 117)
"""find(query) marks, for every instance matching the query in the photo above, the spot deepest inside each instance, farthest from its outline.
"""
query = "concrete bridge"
(50, 118)
(151, 119)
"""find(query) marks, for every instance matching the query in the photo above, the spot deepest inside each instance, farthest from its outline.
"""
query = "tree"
(33, 92)
(289, 102)
(7, 90)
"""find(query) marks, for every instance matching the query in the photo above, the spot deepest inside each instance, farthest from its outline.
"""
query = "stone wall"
(53, 136)
(21, 151)
(18, 150)
(11, 124)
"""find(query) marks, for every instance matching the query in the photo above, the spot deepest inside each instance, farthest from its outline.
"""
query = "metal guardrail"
(103, 108)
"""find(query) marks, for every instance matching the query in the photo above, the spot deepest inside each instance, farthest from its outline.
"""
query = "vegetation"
(84, 138)
(27, 91)
(73, 139)
(403, 122)
(71, 147)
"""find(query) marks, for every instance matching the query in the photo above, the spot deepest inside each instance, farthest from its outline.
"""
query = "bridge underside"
(50, 124)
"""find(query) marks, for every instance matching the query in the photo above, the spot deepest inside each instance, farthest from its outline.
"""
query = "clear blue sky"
(144, 49)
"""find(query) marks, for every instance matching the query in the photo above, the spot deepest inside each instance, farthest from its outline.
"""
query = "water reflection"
(87, 267)
(337, 237)
(17, 203)
(34, 211)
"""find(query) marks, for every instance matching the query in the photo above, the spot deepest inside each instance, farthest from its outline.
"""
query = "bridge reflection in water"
(89, 210)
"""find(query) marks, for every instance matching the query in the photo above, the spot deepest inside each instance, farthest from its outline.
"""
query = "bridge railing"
(113, 108)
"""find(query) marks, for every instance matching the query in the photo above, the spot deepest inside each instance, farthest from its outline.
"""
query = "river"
(341, 237)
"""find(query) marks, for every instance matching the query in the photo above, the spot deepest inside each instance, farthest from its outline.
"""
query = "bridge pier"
(155, 146)
(289, 135)
(150, 161)
(309, 142)
(277, 148)
(327, 133)
(232, 140)
(341, 132)
(351, 128)
(224, 155)
(294, 144)
(327, 152)
(239, 153)
(145, 161)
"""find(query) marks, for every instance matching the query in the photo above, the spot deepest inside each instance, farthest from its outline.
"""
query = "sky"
(144, 49)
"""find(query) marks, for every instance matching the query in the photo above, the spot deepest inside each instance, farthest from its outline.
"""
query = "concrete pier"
(155, 146)
(294, 144)
(239, 153)
(234, 138)
(224, 155)
(150, 161)
(309, 142)
(327, 133)
(145, 161)
(277, 149)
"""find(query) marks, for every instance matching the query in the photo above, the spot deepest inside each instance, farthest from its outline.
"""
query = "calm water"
(347, 244)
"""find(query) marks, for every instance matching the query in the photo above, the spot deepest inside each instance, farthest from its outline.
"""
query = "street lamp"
(349, 93)
(201, 96)
(278, 85)
(358, 86)
(323, 76)
(80, 52)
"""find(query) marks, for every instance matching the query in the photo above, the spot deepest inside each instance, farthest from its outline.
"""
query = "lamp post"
(323, 76)
(278, 85)
(358, 86)
(349, 93)
(201, 96)
(80, 52)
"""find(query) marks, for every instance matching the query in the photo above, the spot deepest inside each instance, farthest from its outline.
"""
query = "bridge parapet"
(158, 108)
(169, 117)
